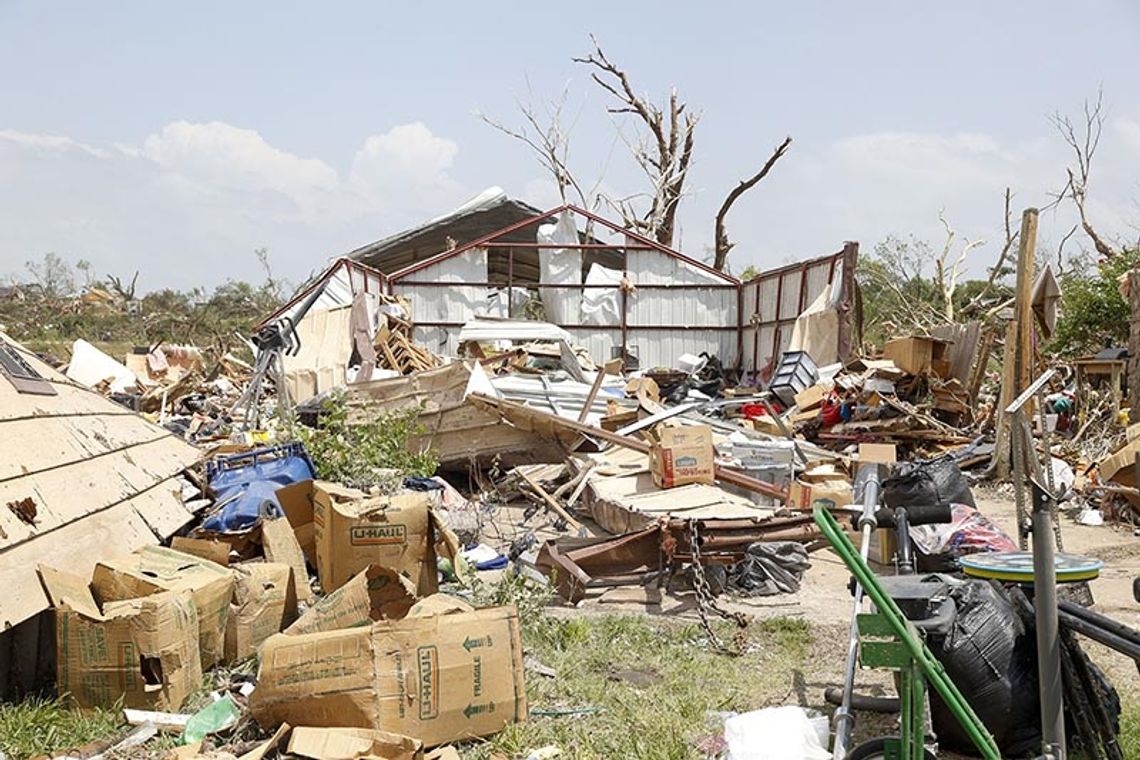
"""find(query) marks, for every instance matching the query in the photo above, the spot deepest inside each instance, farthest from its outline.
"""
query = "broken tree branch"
(723, 244)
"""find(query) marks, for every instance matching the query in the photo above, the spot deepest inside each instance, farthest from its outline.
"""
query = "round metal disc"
(1018, 566)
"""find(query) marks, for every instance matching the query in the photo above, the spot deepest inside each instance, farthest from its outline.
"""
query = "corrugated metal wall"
(772, 300)
(440, 309)
(684, 310)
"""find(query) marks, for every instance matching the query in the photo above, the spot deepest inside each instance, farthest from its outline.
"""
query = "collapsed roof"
(81, 478)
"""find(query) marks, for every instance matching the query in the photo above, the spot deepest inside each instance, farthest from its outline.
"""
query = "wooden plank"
(611, 367)
(1016, 361)
(29, 446)
(74, 548)
(551, 502)
(63, 495)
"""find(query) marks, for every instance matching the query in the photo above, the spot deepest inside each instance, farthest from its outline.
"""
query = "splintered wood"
(395, 349)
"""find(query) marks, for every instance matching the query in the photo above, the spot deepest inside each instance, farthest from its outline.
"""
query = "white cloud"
(48, 144)
(222, 157)
(189, 204)
(407, 165)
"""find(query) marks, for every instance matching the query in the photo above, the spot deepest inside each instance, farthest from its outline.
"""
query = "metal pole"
(844, 720)
(1048, 641)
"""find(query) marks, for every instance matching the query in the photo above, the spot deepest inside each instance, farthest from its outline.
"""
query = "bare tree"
(665, 156)
(946, 274)
(723, 244)
(126, 292)
(1083, 140)
(997, 269)
(549, 140)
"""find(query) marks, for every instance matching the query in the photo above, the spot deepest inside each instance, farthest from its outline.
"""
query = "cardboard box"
(918, 355)
(375, 593)
(828, 493)
(439, 679)
(764, 454)
(153, 569)
(143, 651)
(683, 455)
(263, 603)
(279, 543)
(206, 548)
(1120, 467)
(400, 532)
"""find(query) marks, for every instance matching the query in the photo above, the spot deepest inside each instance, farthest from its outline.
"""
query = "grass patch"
(38, 726)
(656, 681)
(1130, 726)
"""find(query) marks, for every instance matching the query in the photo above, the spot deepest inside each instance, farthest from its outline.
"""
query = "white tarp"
(89, 366)
(602, 306)
(560, 266)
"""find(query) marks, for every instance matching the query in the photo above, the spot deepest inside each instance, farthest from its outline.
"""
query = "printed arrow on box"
(470, 643)
(478, 709)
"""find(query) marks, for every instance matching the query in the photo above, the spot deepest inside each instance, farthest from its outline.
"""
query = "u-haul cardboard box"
(438, 679)
(153, 569)
(143, 651)
(342, 535)
(683, 455)
(263, 603)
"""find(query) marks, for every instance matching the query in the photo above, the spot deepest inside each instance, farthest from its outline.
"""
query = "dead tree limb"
(996, 270)
(665, 157)
(946, 274)
(1083, 142)
(127, 293)
(723, 244)
(548, 140)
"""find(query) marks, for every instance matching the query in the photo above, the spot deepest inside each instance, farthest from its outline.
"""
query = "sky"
(177, 139)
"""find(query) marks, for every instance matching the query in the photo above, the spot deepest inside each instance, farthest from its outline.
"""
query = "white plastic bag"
(776, 733)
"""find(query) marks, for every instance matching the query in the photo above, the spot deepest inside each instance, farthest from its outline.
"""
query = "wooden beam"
(551, 501)
(611, 367)
(1133, 378)
(1017, 362)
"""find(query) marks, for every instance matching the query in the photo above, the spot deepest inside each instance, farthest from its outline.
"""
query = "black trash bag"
(992, 659)
(769, 568)
(927, 482)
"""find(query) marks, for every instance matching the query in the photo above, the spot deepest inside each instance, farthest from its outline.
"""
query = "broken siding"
(99, 479)
(772, 300)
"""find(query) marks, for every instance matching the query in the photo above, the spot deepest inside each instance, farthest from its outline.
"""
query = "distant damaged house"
(81, 479)
(616, 293)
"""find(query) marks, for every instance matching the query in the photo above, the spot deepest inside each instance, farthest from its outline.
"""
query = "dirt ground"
(825, 602)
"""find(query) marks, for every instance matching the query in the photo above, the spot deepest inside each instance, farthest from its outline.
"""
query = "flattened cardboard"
(439, 604)
(263, 604)
(879, 453)
(439, 679)
(206, 548)
(375, 593)
(353, 743)
(683, 455)
(811, 397)
(280, 545)
(155, 568)
(143, 651)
